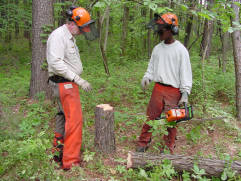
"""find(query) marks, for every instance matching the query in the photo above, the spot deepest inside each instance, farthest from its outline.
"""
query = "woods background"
(115, 64)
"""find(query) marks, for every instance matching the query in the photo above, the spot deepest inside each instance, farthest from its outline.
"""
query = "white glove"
(145, 82)
(83, 83)
(184, 98)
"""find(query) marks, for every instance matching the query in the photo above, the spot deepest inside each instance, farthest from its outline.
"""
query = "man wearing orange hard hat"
(65, 69)
(170, 69)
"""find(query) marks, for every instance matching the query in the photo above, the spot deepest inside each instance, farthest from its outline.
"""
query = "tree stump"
(212, 167)
(104, 128)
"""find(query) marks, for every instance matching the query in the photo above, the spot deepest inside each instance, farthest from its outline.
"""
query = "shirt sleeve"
(185, 73)
(149, 71)
(55, 57)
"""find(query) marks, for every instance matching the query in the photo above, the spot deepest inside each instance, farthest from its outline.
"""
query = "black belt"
(58, 79)
(163, 84)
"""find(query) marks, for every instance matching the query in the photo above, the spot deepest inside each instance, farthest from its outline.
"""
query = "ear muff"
(174, 28)
(69, 12)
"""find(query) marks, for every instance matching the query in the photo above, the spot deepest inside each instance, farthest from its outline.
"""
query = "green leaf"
(100, 5)
(143, 173)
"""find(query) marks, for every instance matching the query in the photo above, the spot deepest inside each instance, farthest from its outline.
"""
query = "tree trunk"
(124, 29)
(143, 14)
(149, 36)
(62, 16)
(16, 22)
(27, 25)
(103, 53)
(107, 28)
(224, 39)
(8, 34)
(212, 167)
(207, 35)
(237, 58)
(104, 128)
(42, 15)
(188, 28)
(2, 14)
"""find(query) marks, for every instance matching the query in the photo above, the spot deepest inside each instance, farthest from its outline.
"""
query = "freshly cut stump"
(212, 167)
(104, 128)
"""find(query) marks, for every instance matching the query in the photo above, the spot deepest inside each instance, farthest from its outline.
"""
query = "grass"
(27, 125)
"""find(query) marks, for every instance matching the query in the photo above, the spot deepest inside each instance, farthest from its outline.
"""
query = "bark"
(42, 15)
(212, 167)
(104, 128)
(236, 40)
(207, 35)
(125, 20)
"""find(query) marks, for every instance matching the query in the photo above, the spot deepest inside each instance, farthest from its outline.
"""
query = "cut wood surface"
(212, 167)
(104, 128)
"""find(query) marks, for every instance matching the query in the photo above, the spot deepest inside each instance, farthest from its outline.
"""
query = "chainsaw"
(178, 114)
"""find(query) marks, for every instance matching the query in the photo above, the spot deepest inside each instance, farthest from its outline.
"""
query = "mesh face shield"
(156, 27)
(89, 30)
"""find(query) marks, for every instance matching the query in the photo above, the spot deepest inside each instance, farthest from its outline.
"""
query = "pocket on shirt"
(72, 55)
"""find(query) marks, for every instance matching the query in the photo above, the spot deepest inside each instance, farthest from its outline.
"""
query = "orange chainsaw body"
(175, 114)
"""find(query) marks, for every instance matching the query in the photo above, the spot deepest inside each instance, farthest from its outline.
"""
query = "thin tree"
(207, 34)
(125, 20)
(16, 20)
(42, 16)
(149, 36)
(103, 53)
(237, 56)
(188, 28)
(27, 25)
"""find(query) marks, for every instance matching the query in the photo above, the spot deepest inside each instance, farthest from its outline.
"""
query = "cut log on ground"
(104, 128)
(212, 167)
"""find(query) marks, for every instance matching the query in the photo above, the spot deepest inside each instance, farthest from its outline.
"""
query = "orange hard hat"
(81, 17)
(168, 18)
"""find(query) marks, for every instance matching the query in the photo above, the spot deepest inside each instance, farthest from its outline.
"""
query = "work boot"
(170, 139)
(143, 148)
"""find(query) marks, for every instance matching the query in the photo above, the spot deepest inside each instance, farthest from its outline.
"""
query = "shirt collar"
(67, 32)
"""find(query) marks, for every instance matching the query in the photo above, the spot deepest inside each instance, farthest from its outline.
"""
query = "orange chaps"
(71, 124)
(163, 98)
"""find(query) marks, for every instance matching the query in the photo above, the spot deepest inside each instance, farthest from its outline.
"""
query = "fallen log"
(104, 128)
(212, 167)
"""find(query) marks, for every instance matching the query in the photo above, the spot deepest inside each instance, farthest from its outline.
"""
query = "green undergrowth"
(27, 125)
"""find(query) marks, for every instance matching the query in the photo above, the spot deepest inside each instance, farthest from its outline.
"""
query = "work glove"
(145, 82)
(83, 83)
(184, 99)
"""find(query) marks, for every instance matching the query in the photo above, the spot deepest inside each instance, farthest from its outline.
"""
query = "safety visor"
(156, 24)
(89, 30)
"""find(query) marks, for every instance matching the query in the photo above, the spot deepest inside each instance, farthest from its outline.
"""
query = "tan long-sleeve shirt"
(63, 54)
(170, 64)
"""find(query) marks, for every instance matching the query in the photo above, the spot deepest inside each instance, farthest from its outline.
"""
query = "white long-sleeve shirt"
(63, 54)
(170, 64)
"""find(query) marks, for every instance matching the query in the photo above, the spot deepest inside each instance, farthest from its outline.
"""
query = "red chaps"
(163, 98)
